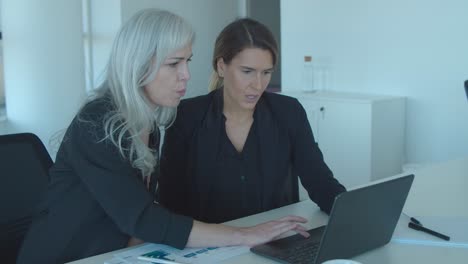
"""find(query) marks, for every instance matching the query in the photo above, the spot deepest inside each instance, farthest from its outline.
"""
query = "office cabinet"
(361, 136)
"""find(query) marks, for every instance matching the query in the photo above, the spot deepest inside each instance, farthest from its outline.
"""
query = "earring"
(221, 75)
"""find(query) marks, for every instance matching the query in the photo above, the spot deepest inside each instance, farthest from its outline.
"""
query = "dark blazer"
(96, 200)
(286, 146)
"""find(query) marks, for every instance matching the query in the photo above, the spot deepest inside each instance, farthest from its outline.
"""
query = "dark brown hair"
(241, 34)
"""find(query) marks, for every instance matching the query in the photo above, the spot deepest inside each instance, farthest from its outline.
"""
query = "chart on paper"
(186, 256)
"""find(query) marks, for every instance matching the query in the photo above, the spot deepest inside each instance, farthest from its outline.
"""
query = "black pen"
(414, 220)
(416, 225)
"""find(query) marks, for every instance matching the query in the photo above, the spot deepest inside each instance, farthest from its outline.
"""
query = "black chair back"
(24, 166)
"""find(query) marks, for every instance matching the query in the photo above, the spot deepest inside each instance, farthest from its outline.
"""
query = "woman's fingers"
(284, 227)
(302, 231)
(271, 230)
(293, 218)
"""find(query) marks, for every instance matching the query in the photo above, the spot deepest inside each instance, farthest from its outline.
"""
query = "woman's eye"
(246, 71)
(173, 64)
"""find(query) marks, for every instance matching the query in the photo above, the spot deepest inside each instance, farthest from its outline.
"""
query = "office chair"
(24, 166)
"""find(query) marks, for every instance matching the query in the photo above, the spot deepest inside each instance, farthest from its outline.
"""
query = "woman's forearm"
(206, 235)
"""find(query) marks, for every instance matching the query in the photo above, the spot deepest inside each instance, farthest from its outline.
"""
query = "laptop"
(360, 220)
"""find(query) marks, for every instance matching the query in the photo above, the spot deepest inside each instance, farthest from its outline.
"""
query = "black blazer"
(96, 200)
(287, 151)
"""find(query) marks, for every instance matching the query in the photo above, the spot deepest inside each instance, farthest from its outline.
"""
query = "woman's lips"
(251, 98)
(181, 92)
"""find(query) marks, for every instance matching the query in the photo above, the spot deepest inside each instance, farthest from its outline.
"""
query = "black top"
(238, 179)
(96, 200)
(286, 150)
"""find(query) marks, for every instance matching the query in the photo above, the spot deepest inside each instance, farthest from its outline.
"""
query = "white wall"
(44, 72)
(418, 49)
(208, 17)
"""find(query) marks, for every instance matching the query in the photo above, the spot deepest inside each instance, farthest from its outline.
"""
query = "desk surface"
(439, 190)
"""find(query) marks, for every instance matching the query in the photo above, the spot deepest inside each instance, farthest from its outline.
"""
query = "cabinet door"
(344, 132)
(312, 108)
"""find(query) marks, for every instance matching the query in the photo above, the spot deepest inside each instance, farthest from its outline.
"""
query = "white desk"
(450, 184)
(440, 190)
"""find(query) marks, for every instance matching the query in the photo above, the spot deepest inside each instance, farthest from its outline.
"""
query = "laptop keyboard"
(294, 249)
(302, 252)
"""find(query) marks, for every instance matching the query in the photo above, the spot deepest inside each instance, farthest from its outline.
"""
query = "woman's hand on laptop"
(271, 230)
(209, 235)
